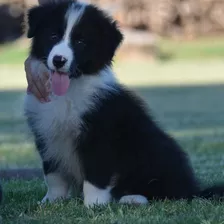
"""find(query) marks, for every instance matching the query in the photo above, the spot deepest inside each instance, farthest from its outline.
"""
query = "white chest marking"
(59, 121)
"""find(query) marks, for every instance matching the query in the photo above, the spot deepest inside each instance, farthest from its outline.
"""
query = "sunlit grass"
(175, 73)
(13, 53)
(202, 48)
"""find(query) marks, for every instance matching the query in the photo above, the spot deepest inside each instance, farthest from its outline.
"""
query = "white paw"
(133, 199)
(95, 196)
(91, 200)
(53, 198)
(46, 199)
(58, 189)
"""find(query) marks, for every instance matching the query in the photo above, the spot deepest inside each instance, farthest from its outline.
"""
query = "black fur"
(95, 39)
(126, 143)
(46, 27)
(119, 139)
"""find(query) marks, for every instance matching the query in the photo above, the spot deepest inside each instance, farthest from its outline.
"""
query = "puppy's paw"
(95, 196)
(58, 188)
(91, 201)
(51, 198)
(134, 199)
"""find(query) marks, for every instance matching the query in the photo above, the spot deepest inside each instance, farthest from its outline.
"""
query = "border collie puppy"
(95, 133)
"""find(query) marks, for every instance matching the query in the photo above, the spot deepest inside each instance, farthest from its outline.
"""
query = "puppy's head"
(73, 38)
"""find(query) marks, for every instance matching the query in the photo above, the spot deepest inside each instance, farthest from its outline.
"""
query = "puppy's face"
(73, 38)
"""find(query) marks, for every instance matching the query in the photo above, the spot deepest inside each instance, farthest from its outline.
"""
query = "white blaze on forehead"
(73, 16)
(63, 48)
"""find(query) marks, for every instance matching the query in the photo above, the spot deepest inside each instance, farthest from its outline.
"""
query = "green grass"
(184, 97)
(73, 211)
(193, 115)
(13, 54)
(203, 48)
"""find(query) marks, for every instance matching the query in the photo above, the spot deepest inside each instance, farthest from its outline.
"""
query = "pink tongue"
(60, 83)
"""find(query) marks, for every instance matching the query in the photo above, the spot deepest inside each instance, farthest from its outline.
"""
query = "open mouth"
(60, 82)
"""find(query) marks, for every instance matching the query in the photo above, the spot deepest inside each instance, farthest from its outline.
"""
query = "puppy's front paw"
(58, 188)
(52, 198)
(45, 199)
(95, 196)
(92, 200)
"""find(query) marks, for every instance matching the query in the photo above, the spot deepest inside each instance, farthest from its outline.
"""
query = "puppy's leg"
(94, 195)
(58, 186)
(98, 167)
(98, 182)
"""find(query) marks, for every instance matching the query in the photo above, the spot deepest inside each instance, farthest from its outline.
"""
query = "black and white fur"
(99, 136)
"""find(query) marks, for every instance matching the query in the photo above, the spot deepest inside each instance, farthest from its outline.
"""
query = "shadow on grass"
(11, 114)
(194, 115)
(184, 111)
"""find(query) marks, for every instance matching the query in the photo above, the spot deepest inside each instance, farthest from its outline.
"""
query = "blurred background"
(172, 56)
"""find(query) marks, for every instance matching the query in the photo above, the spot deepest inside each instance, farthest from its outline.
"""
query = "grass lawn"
(186, 98)
(205, 48)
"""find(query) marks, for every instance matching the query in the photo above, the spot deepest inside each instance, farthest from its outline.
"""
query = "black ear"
(114, 36)
(35, 17)
(111, 36)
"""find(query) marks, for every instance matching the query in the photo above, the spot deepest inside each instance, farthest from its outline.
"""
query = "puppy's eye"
(80, 42)
(54, 36)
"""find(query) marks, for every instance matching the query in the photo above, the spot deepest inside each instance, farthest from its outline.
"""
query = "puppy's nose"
(59, 61)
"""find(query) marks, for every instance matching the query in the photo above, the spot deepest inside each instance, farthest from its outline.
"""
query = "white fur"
(133, 199)
(58, 188)
(63, 48)
(95, 196)
(73, 16)
(58, 122)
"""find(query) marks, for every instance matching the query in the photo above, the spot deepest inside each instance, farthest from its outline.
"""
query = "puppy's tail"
(215, 192)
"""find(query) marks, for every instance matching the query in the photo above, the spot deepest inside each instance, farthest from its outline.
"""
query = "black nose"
(59, 61)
